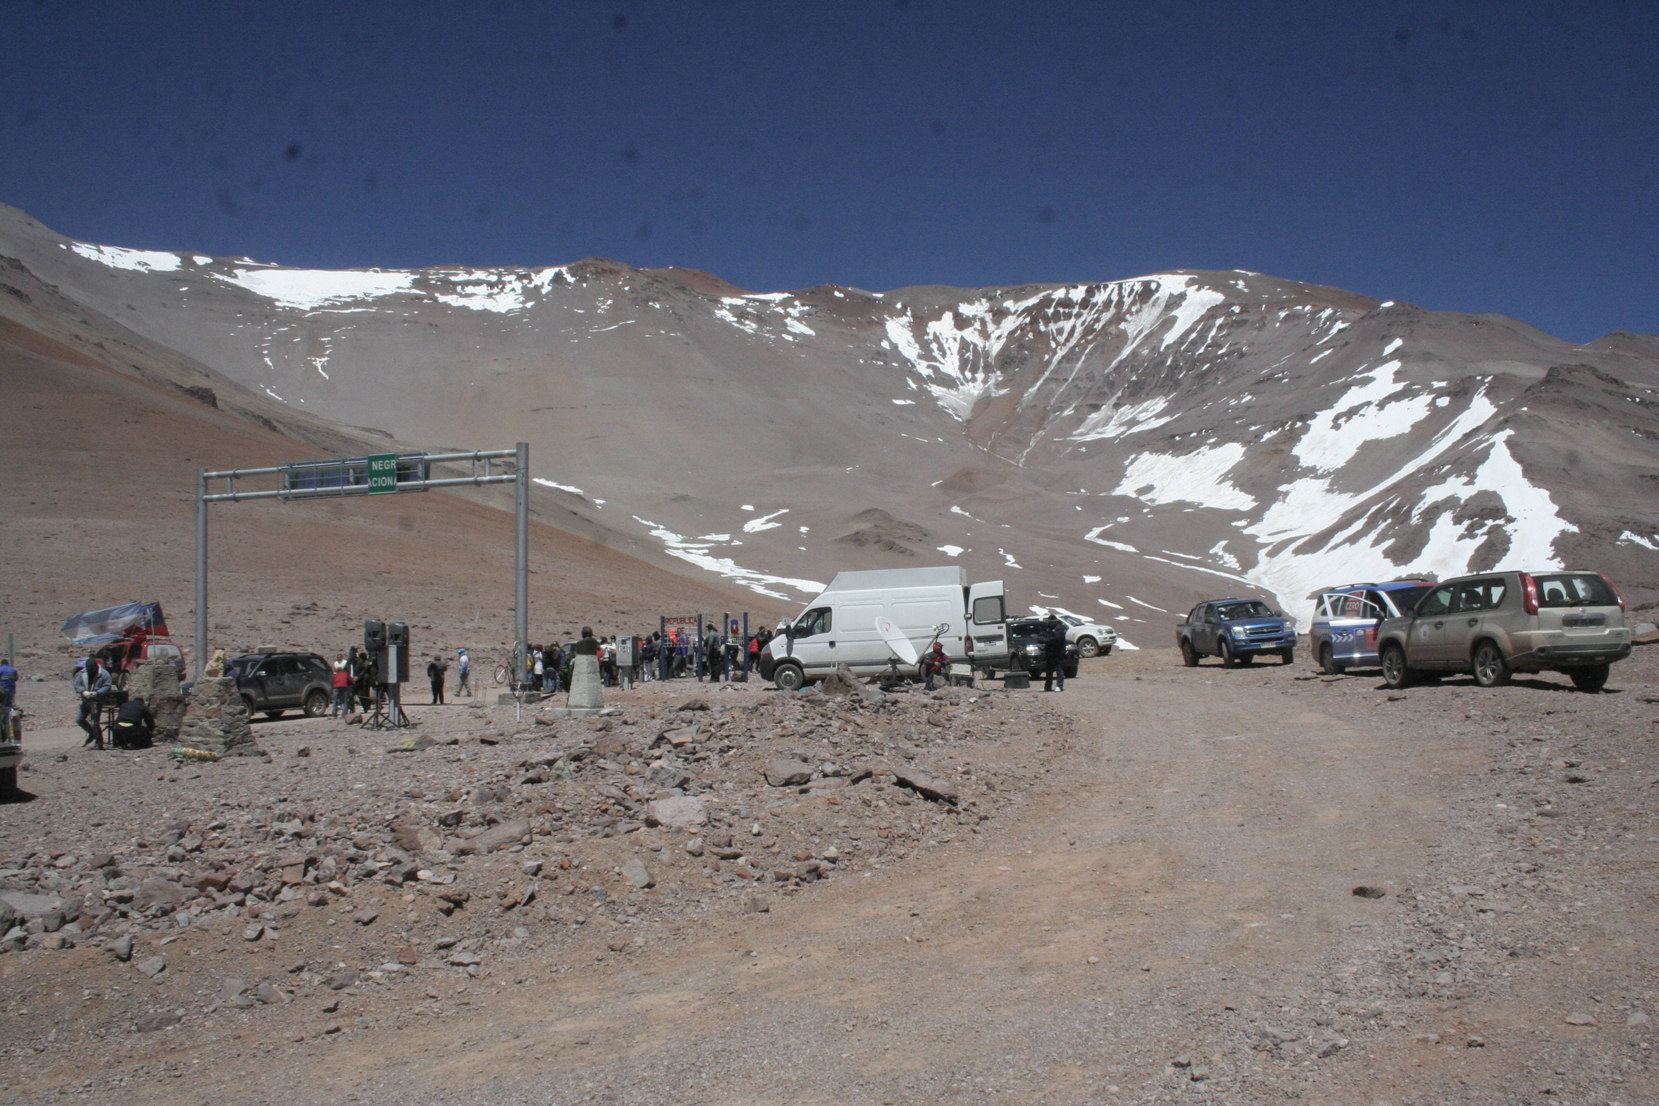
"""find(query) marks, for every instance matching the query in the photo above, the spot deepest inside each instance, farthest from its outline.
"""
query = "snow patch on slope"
(141, 261)
(1197, 477)
(310, 289)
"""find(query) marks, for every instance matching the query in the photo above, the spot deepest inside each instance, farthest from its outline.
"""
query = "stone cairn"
(157, 683)
(217, 720)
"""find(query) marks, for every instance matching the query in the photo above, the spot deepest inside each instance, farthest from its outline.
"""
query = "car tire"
(316, 703)
(1189, 655)
(1491, 670)
(1245, 660)
(789, 677)
(1105, 650)
(8, 780)
(1327, 661)
(1070, 671)
(1592, 677)
(273, 715)
(1229, 659)
(1288, 656)
(247, 703)
(1396, 672)
(1088, 647)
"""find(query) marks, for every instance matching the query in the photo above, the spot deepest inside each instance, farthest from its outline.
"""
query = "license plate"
(1584, 620)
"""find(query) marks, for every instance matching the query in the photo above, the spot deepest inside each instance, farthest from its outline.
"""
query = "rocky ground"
(1239, 886)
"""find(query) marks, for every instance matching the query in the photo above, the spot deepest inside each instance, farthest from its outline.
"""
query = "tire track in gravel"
(1200, 846)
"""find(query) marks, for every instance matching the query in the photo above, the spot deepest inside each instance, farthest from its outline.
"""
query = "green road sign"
(382, 472)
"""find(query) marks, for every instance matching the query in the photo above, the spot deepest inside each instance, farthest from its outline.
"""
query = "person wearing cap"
(463, 670)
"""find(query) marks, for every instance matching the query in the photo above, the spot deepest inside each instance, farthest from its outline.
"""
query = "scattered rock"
(121, 947)
(694, 703)
(1366, 891)
(149, 1023)
(677, 812)
(365, 916)
(928, 787)
(496, 837)
(635, 872)
(1579, 1019)
(787, 773)
(153, 967)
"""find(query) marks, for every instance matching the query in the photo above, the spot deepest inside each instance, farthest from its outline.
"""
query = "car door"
(1426, 646)
(1207, 634)
(291, 682)
(1476, 602)
(1353, 622)
(814, 644)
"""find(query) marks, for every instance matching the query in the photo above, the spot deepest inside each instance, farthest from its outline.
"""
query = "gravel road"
(1145, 892)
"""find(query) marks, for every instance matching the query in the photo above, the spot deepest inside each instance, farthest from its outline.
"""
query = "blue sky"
(1463, 156)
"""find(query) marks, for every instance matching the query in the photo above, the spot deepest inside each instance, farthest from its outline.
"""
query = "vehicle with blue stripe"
(1345, 620)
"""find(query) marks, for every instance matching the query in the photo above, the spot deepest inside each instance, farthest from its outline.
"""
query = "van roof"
(881, 579)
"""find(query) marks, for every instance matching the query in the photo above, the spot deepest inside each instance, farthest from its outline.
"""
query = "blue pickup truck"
(1237, 631)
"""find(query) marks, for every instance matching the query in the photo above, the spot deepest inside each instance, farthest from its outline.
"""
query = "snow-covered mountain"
(1120, 448)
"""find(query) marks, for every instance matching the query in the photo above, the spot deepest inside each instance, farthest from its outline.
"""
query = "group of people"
(133, 727)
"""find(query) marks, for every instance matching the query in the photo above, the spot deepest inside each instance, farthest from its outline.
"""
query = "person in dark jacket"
(1054, 653)
(135, 726)
(436, 670)
(91, 681)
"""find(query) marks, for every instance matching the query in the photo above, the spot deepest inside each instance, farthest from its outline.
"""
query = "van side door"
(988, 624)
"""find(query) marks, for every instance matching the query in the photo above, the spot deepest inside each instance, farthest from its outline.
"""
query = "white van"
(839, 627)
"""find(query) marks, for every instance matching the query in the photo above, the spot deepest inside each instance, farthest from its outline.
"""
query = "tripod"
(388, 709)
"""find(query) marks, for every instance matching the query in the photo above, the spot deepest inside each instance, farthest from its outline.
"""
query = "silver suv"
(1500, 623)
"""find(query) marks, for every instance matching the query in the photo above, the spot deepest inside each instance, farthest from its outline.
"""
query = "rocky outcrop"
(217, 720)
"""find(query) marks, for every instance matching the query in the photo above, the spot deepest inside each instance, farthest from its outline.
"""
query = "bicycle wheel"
(501, 673)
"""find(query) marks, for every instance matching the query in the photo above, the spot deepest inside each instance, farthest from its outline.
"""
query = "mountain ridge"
(1140, 439)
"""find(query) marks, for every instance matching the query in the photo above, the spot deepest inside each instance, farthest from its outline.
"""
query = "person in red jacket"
(342, 686)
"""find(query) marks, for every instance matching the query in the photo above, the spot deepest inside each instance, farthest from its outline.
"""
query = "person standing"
(463, 672)
(538, 668)
(1054, 653)
(436, 671)
(342, 687)
(8, 683)
(91, 681)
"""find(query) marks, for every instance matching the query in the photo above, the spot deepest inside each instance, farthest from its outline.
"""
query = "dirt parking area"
(1140, 890)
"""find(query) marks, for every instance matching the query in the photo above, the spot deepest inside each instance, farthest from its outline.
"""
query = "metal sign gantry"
(376, 474)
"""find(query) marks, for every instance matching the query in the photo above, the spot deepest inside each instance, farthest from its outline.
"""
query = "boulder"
(928, 787)
(842, 682)
(635, 872)
(496, 837)
(678, 812)
(787, 773)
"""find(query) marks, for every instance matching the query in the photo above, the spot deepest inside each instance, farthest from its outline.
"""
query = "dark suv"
(1026, 642)
(275, 682)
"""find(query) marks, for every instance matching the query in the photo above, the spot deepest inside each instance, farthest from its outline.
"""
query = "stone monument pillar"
(217, 719)
(587, 691)
(157, 683)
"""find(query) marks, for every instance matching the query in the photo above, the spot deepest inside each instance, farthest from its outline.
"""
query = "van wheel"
(1491, 670)
(1189, 655)
(316, 703)
(1229, 659)
(789, 677)
(1088, 647)
(1591, 677)
(1396, 673)
(1327, 661)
